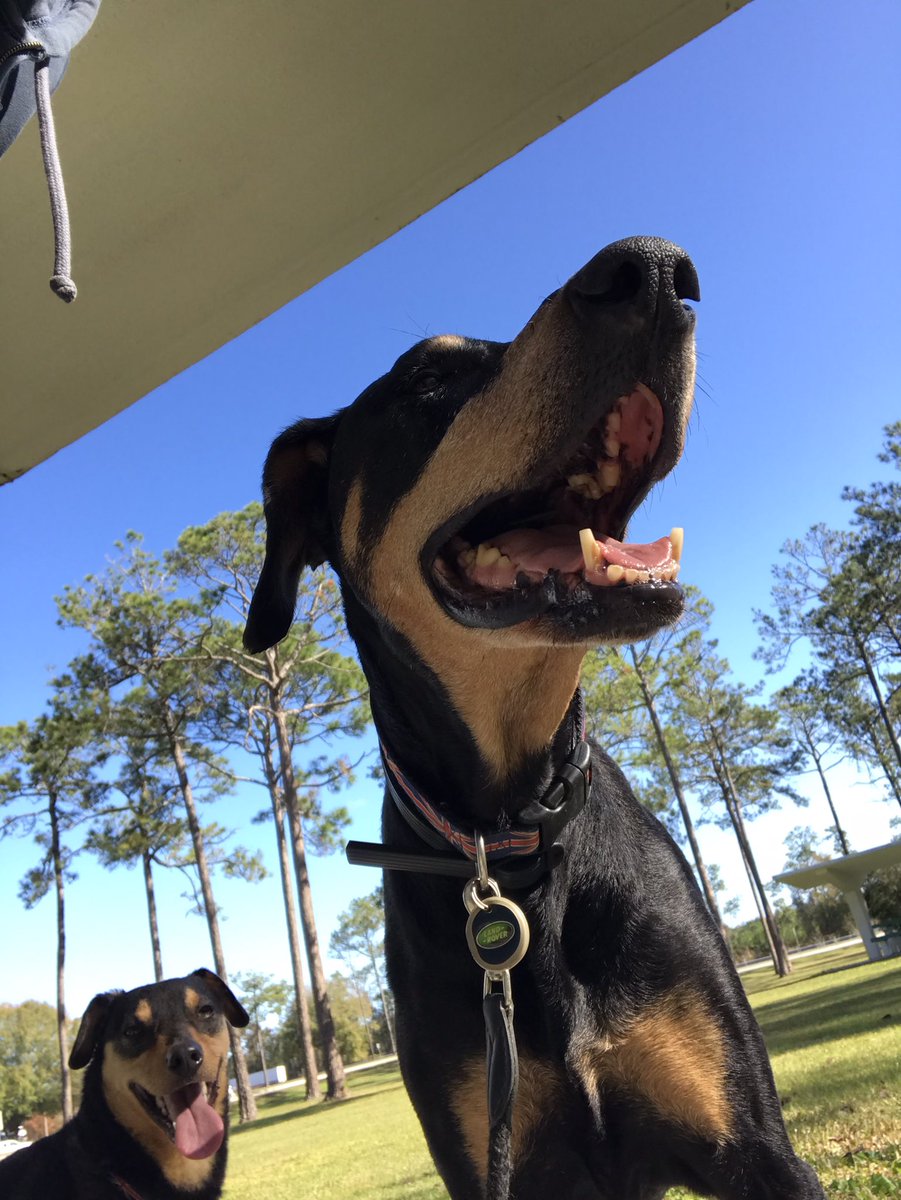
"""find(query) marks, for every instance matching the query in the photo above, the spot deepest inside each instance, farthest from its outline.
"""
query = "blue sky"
(768, 148)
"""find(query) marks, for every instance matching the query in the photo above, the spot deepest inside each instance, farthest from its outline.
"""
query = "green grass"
(370, 1145)
(834, 1033)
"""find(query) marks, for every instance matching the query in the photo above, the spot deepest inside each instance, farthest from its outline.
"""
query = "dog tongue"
(199, 1130)
(637, 554)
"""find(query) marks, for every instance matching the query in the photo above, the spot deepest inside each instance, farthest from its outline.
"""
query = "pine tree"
(300, 694)
(141, 633)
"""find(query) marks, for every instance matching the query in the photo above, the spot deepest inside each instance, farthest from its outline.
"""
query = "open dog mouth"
(187, 1117)
(557, 545)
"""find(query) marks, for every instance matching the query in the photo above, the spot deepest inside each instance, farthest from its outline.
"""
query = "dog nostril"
(685, 280)
(195, 1054)
(625, 283)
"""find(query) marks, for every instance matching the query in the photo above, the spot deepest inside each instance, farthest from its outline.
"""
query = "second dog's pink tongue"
(199, 1130)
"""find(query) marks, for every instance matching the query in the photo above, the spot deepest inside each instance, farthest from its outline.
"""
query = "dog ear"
(235, 1014)
(294, 501)
(90, 1031)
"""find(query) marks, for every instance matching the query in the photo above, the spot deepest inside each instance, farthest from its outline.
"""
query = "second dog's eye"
(131, 1031)
(205, 1010)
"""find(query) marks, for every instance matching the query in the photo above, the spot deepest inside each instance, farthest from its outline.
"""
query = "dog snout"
(638, 280)
(184, 1057)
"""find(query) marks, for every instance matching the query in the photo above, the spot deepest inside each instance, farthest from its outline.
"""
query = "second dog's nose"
(640, 277)
(184, 1057)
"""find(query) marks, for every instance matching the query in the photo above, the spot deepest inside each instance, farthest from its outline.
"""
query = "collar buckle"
(564, 799)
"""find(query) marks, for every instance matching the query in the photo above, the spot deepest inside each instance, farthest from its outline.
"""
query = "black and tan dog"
(472, 502)
(153, 1119)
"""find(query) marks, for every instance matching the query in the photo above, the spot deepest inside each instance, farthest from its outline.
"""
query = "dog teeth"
(585, 485)
(614, 423)
(615, 572)
(630, 575)
(610, 473)
(487, 556)
(612, 447)
(591, 550)
(677, 541)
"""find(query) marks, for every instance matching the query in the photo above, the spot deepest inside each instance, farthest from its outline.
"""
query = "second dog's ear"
(235, 1014)
(90, 1031)
(294, 500)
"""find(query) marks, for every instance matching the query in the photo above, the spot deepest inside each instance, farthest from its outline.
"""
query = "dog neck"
(482, 738)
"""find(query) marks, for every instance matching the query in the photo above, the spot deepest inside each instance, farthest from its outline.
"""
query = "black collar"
(518, 855)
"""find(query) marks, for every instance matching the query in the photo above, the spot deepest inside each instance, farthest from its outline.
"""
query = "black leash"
(496, 929)
(498, 935)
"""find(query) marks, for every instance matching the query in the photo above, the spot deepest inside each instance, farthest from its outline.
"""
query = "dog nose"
(184, 1057)
(638, 279)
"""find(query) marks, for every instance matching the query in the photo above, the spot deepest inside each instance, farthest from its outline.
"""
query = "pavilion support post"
(861, 914)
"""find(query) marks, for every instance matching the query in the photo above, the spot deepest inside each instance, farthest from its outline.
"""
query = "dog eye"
(131, 1031)
(205, 1010)
(426, 380)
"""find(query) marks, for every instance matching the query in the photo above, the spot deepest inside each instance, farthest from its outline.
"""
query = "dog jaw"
(121, 1075)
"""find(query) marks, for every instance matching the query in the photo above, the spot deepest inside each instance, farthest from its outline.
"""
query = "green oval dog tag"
(498, 935)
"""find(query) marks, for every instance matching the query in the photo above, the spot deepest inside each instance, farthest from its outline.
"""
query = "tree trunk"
(305, 1029)
(709, 894)
(246, 1099)
(389, 1015)
(151, 916)
(365, 1018)
(262, 1058)
(65, 1077)
(817, 758)
(781, 961)
(334, 1065)
(767, 933)
(880, 702)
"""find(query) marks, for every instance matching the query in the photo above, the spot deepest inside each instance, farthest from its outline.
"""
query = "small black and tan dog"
(473, 503)
(153, 1119)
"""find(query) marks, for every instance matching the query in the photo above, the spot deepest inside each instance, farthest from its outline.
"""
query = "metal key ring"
(482, 862)
(471, 897)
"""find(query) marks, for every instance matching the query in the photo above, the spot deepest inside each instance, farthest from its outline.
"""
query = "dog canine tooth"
(591, 550)
(677, 541)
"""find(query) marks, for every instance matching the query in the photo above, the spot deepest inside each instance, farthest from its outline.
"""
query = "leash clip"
(488, 988)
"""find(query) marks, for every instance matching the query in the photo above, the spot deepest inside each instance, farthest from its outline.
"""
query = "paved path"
(301, 1081)
(826, 948)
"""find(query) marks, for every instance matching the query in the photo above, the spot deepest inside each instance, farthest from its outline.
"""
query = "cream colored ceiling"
(221, 158)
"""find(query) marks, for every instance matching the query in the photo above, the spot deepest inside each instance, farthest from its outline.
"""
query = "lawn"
(834, 1034)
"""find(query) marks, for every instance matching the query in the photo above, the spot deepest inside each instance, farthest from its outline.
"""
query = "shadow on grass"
(315, 1109)
(832, 1089)
(844, 1010)
(765, 981)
